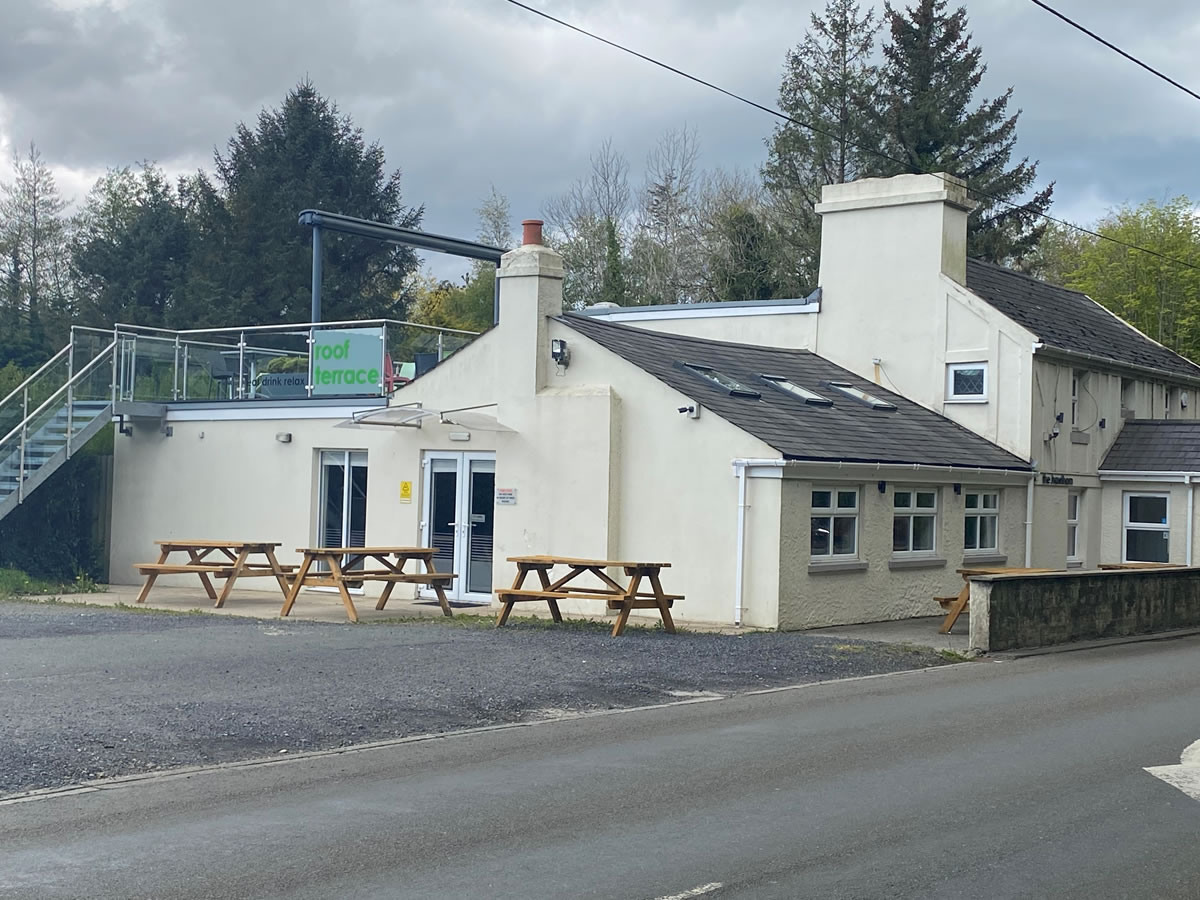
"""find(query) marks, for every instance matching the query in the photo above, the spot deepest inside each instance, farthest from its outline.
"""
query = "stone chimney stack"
(531, 283)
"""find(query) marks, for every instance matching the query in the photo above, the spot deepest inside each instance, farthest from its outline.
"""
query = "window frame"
(1127, 526)
(912, 512)
(953, 396)
(831, 512)
(978, 513)
(1073, 526)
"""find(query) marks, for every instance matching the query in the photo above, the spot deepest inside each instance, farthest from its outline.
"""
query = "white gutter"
(739, 471)
(1114, 475)
(1029, 521)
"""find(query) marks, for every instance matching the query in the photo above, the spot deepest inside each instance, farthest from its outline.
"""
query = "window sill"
(917, 562)
(984, 559)
(1074, 563)
(834, 566)
(966, 400)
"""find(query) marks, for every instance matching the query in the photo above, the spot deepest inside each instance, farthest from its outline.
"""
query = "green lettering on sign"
(347, 362)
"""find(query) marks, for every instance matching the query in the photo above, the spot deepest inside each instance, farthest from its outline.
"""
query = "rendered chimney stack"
(531, 232)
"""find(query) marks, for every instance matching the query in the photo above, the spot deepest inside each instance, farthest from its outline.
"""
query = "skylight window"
(730, 385)
(810, 397)
(854, 393)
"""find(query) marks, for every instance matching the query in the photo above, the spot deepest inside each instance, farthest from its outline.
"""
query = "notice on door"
(506, 496)
(406, 492)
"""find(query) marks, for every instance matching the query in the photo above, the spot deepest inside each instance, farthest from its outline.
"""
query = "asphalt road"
(88, 693)
(994, 779)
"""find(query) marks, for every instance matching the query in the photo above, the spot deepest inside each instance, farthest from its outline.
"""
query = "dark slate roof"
(1155, 445)
(1070, 320)
(849, 430)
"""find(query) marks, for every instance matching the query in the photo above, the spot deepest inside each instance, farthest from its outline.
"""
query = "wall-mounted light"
(883, 487)
(1058, 418)
(559, 352)
(284, 437)
(692, 411)
(957, 488)
(1103, 423)
(459, 435)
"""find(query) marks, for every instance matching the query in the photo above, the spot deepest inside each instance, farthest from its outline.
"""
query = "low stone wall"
(1010, 612)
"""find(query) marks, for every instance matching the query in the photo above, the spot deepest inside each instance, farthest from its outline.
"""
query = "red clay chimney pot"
(531, 231)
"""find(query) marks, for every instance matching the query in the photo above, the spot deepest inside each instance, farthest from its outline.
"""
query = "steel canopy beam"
(390, 234)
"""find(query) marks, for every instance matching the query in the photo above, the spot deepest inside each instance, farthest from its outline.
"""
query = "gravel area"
(91, 693)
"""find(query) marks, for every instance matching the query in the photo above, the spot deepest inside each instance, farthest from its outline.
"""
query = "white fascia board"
(709, 313)
(1114, 475)
(233, 414)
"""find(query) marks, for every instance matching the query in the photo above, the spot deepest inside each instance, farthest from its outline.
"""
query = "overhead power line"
(1111, 46)
(779, 114)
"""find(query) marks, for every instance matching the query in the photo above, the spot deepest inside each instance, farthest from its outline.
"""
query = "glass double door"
(458, 518)
(342, 520)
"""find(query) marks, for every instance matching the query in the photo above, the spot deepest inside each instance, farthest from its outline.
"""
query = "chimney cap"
(531, 231)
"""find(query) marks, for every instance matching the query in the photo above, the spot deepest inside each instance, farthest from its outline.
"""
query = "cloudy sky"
(464, 94)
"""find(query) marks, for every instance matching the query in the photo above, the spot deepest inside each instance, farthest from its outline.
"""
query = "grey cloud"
(466, 93)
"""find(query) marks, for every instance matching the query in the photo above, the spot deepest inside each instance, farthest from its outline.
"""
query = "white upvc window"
(1146, 532)
(834, 522)
(1074, 512)
(967, 382)
(981, 521)
(914, 520)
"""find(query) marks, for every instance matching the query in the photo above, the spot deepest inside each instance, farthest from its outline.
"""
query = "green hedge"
(61, 530)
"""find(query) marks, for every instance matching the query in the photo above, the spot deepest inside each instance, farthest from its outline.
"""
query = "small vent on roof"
(788, 387)
(720, 380)
(849, 390)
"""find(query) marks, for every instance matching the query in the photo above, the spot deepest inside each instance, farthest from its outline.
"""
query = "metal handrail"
(20, 387)
(65, 387)
(308, 326)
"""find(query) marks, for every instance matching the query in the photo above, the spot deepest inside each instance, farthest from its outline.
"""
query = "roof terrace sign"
(347, 361)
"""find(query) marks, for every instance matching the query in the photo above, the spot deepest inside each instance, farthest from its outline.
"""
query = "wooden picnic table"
(232, 561)
(622, 597)
(342, 560)
(956, 605)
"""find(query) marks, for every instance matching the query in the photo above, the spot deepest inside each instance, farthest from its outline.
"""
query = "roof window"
(810, 397)
(849, 390)
(729, 385)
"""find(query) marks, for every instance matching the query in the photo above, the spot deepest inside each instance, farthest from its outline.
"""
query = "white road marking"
(694, 892)
(1186, 775)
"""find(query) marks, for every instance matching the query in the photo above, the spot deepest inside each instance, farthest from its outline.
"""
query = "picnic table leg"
(280, 575)
(152, 577)
(387, 592)
(335, 569)
(544, 577)
(956, 609)
(301, 573)
(198, 560)
(660, 598)
(505, 610)
(439, 588)
(626, 605)
(235, 571)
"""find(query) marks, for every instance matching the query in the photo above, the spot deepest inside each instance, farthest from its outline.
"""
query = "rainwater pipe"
(1029, 521)
(739, 471)
(1191, 489)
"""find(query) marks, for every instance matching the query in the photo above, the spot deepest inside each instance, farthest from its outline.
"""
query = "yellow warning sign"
(406, 492)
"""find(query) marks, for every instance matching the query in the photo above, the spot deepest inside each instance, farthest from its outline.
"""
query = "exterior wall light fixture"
(284, 437)
(559, 352)
(883, 487)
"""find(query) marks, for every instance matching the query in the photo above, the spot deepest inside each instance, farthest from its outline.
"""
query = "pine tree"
(931, 123)
(830, 84)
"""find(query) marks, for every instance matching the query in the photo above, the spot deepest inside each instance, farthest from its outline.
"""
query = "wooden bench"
(230, 561)
(622, 598)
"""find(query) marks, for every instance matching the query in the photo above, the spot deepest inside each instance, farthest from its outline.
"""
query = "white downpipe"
(739, 569)
(739, 471)
(1191, 489)
(1029, 522)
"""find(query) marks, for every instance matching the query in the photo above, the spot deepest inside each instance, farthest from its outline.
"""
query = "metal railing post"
(241, 364)
(70, 392)
(24, 437)
(186, 347)
(441, 346)
(385, 376)
(175, 370)
(311, 344)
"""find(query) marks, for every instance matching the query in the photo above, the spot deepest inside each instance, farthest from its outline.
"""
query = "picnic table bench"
(624, 598)
(341, 561)
(231, 562)
(956, 605)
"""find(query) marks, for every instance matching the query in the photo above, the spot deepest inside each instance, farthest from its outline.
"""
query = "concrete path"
(999, 779)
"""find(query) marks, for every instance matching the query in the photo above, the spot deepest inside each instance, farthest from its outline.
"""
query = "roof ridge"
(1007, 271)
(689, 338)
